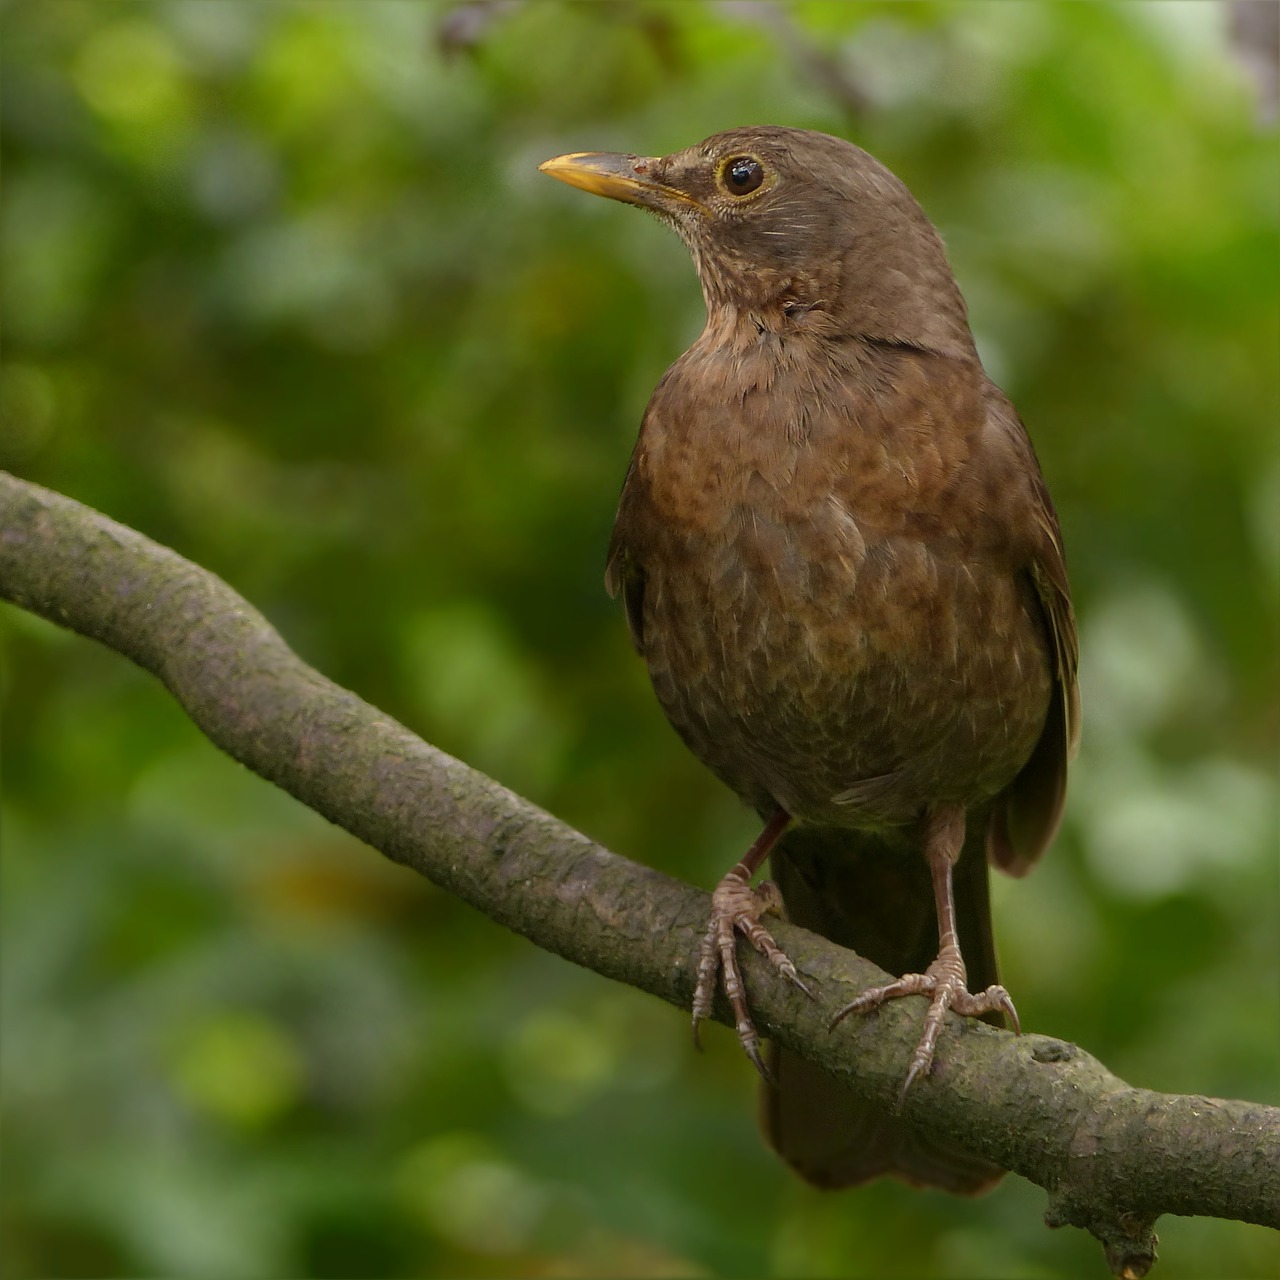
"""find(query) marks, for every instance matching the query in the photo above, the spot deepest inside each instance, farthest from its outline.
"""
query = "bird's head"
(794, 228)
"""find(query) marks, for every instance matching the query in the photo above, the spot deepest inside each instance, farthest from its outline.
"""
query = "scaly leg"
(945, 979)
(735, 905)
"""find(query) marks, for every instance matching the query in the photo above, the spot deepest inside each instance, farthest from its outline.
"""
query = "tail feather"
(872, 894)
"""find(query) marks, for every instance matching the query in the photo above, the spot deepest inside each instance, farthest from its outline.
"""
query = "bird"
(839, 559)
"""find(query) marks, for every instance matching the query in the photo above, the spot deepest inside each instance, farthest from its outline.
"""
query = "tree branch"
(1112, 1157)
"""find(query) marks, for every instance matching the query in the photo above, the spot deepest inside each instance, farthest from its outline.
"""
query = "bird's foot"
(736, 906)
(945, 981)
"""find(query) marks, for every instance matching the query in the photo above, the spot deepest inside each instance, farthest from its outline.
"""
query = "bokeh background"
(284, 290)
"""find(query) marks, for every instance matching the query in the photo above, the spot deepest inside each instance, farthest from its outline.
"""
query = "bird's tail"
(874, 897)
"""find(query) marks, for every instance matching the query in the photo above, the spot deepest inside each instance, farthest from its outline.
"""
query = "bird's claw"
(945, 982)
(737, 908)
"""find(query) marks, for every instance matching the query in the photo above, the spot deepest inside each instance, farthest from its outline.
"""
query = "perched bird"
(840, 562)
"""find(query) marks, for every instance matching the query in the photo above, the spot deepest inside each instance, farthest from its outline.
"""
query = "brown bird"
(840, 562)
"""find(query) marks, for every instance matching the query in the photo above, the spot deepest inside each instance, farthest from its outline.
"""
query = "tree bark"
(1111, 1157)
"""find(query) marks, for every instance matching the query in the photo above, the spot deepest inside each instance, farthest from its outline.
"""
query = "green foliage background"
(284, 290)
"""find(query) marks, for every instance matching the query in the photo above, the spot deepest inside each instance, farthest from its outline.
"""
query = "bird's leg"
(945, 980)
(736, 906)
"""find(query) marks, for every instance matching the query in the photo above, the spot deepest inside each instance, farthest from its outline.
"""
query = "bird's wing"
(622, 576)
(1027, 813)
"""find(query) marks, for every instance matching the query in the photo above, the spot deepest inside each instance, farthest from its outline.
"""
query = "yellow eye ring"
(741, 175)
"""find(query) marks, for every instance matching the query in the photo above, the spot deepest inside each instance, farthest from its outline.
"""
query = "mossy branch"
(1111, 1157)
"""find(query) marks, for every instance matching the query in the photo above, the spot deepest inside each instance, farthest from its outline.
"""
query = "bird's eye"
(742, 175)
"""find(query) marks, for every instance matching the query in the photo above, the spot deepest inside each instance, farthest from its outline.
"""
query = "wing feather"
(1028, 812)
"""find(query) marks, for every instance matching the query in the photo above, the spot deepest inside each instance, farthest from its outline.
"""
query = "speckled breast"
(848, 679)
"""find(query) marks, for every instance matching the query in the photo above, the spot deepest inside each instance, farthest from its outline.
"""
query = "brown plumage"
(840, 562)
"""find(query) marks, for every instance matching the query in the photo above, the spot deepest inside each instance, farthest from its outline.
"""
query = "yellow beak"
(626, 178)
